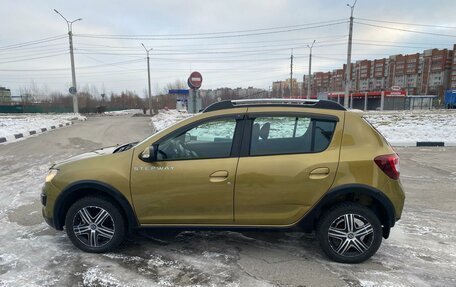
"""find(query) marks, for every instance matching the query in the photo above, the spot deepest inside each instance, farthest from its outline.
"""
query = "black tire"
(347, 244)
(95, 225)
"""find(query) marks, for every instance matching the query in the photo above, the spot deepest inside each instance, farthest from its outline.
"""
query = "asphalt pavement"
(421, 250)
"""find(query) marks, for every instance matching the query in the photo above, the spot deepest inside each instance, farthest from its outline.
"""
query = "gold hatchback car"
(263, 163)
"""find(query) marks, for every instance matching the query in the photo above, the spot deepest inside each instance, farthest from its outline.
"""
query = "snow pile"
(24, 123)
(408, 127)
(166, 118)
(124, 112)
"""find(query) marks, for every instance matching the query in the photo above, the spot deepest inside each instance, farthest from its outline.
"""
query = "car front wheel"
(95, 225)
(349, 233)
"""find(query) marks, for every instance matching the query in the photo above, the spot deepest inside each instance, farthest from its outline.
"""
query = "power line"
(35, 42)
(218, 50)
(65, 69)
(217, 33)
(166, 37)
(401, 42)
(28, 59)
(14, 56)
(218, 44)
(410, 24)
(32, 49)
(405, 30)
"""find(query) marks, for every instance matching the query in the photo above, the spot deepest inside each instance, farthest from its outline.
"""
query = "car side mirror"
(150, 153)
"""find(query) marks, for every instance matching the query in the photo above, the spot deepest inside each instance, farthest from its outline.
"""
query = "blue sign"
(178, 92)
(450, 97)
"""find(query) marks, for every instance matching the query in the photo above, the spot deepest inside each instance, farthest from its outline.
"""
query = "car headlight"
(51, 174)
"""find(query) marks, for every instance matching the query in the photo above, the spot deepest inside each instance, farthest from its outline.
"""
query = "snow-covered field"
(405, 127)
(400, 128)
(165, 118)
(11, 124)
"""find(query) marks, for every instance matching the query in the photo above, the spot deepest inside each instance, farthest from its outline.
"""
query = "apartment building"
(322, 81)
(428, 73)
(337, 80)
(453, 70)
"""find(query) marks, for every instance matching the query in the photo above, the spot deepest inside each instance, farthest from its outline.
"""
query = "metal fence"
(394, 103)
(46, 108)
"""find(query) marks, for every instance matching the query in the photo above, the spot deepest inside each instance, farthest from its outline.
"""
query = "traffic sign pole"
(194, 83)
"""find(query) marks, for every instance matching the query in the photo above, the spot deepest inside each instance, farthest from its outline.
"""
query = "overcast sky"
(221, 44)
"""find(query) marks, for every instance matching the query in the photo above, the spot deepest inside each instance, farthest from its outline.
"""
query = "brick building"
(453, 70)
(428, 73)
(337, 80)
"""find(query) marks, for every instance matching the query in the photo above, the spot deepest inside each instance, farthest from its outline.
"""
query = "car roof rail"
(281, 102)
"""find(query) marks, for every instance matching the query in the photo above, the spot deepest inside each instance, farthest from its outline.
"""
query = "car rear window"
(290, 134)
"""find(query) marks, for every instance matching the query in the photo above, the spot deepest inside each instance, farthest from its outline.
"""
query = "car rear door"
(289, 160)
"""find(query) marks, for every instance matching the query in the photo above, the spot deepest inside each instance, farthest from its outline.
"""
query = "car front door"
(290, 162)
(192, 180)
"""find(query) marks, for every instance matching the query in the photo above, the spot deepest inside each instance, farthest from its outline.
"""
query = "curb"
(32, 132)
(424, 144)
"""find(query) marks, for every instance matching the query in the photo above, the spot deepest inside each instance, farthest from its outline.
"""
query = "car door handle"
(319, 173)
(219, 176)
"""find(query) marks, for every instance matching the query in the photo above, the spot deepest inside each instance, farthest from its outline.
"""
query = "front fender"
(79, 189)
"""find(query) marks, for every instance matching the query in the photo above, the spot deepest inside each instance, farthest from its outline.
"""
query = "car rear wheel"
(349, 233)
(95, 225)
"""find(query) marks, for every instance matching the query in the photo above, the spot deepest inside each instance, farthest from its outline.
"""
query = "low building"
(5, 95)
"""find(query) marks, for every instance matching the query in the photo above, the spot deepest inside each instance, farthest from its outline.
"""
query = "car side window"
(290, 134)
(212, 139)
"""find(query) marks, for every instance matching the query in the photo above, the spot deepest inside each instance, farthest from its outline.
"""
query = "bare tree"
(177, 84)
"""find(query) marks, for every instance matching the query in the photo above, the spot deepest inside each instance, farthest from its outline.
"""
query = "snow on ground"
(124, 112)
(11, 124)
(398, 127)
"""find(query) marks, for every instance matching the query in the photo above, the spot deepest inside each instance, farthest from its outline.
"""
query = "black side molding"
(308, 221)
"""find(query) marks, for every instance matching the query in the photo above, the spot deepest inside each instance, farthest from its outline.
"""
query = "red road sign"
(195, 80)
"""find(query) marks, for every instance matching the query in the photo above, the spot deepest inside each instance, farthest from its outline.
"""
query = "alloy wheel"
(350, 235)
(93, 226)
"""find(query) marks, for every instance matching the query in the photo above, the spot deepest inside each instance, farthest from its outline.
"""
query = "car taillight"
(389, 164)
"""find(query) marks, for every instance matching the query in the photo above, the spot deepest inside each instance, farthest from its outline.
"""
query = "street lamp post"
(148, 78)
(73, 72)
(310, 70)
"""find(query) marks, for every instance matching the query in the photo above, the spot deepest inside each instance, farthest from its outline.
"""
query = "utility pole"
(73, 89)
(291, 73)
(309, 85)
(348, 69)
(148, 78)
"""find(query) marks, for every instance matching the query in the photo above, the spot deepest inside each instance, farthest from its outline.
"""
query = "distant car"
(267, 163)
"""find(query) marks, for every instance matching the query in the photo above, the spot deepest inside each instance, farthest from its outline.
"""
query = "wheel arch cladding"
(358, 193)
(80, 189)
